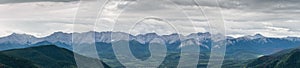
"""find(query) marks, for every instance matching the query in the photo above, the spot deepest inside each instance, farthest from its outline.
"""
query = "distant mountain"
(16, 41)
(255, 45)
(284, 59)
(22, 40)
(19, 38)
(261, 45)
(47, 56)
(238, 49)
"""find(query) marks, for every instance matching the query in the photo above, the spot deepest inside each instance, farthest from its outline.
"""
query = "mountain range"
(238, 49)
(259, 43)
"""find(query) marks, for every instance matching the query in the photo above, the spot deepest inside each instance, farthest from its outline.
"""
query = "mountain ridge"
(283, 59)
(44, 56)
(60, 32)
(257, 44)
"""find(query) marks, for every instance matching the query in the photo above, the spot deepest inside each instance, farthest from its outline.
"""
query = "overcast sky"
(273, 18)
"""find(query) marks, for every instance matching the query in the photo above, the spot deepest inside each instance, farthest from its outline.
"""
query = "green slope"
(286, 59)
(49, 56)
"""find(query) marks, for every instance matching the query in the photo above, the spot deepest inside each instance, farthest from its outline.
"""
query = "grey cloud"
(243, 17)
(26, 1)
(246, 5)
(249, 15)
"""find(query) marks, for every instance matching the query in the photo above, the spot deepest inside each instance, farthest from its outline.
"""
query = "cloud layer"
(274, 18)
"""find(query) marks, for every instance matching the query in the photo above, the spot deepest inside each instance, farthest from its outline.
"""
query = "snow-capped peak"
(18, 38)
(256, 36)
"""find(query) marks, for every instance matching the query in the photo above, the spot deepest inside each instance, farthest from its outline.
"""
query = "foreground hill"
(48, 56)
(284, 59)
